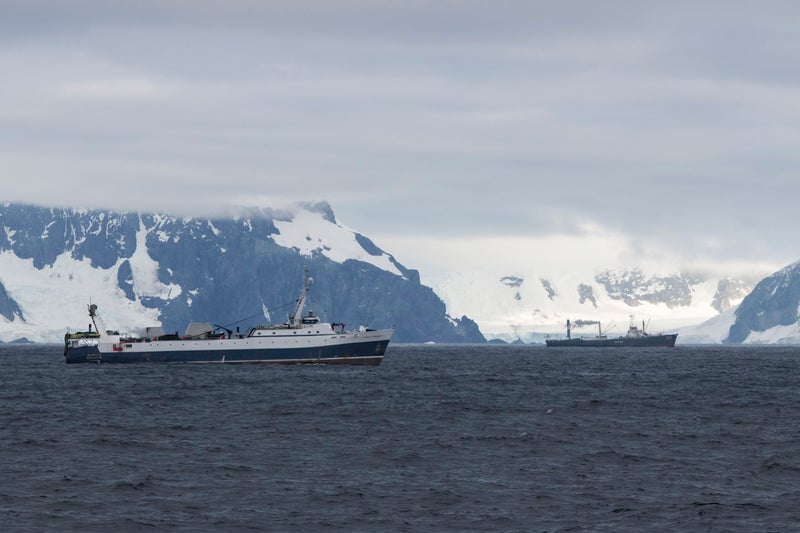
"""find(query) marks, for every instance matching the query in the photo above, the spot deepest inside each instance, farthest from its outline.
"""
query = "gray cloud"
(676, 124)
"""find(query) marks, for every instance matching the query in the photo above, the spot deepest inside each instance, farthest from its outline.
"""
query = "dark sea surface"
(437, 438)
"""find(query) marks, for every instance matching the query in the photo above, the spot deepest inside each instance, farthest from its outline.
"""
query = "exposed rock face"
(729, 292)
(773, 303)
(633, 288)
(586, 294)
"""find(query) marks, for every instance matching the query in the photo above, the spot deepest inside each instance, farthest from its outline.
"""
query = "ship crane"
(295, 317)
(96, 318)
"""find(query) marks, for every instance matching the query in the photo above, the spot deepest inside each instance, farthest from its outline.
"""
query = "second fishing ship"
(302, 339)
(637, 338)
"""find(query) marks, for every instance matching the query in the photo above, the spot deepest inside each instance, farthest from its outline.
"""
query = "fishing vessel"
(637, 338)
(302, 339)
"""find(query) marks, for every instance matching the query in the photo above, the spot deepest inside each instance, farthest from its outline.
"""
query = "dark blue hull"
(648, 341)
(362, 353)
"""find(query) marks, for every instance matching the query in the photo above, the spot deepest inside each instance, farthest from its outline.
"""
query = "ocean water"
(437, 438)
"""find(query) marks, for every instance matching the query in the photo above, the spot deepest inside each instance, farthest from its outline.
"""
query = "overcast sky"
(672, 126)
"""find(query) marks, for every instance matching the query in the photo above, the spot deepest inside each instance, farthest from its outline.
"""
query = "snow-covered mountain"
(156, 269)
(770, 314)
(530, 304)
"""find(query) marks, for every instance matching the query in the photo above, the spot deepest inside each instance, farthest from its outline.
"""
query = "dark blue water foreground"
(437, 438)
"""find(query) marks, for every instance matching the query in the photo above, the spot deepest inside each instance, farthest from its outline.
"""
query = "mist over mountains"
(155, 269)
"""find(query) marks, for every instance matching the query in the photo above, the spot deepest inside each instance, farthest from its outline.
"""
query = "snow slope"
(789, 334)
(309, 232)
(712, 331)
(52, 297)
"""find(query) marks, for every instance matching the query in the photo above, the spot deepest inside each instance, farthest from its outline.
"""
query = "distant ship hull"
(648, 341)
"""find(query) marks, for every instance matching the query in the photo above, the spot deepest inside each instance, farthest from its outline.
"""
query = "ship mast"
(296, 316)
